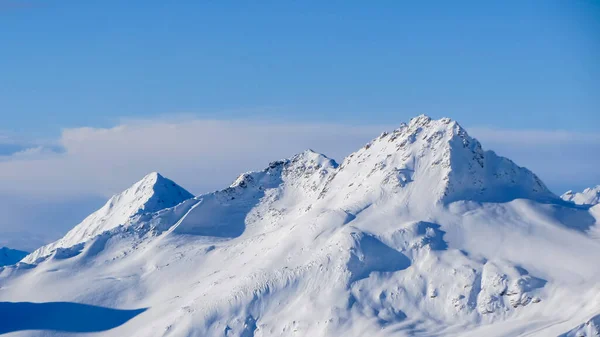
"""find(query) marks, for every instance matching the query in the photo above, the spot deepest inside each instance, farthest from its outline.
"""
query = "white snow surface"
(589, 196)
(419, 233)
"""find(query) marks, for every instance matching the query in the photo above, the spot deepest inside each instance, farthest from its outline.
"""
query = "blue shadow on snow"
(61, 316)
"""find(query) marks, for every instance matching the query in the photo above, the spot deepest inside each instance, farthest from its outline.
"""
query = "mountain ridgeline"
(420, 232)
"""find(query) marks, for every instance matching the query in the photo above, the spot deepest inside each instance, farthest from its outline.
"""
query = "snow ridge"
(226, 213)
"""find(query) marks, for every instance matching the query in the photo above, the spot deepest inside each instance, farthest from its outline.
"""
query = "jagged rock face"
(419, 232)
(589, 196)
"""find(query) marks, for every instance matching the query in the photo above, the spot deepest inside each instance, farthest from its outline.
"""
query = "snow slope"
(589, 196)
(419, 233)
(10, 256)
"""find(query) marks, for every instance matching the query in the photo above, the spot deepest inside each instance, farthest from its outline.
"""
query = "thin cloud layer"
(204, 155)
(199, 154)
(563, 160)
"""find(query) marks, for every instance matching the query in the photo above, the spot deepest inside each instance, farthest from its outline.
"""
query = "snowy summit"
(153, 193)
(421, 232)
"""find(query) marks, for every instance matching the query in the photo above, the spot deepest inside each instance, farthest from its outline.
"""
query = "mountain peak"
(437, 160)
(420, 120)
(152, 180)
(150, 194)
(301, 166)
(312, 157)
(424, 121)
(153, 176)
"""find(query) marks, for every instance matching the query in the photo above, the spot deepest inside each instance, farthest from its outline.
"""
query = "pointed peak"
(311, 159)
(155, 175)
(302, 165)
(310, 154)
(154, 183)
(438, 156)
(305, 156)
(424, 127)
(424, 120)
(150, 194)
(152, 177)
(420, 120)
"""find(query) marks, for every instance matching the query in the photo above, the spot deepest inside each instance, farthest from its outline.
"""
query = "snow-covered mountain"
(10, 256)
(419, 233)
(153, 193)
(589, 196)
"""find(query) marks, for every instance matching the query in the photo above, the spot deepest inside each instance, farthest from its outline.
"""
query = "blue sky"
(510, 64)
(95, 94)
